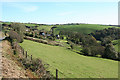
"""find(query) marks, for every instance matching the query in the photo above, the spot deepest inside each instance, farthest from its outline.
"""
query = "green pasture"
(71, 64)
(83, 28)
(45, 27)
(27, 24)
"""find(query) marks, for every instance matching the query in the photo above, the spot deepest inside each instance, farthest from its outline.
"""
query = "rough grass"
(71, 64)
(83, 28)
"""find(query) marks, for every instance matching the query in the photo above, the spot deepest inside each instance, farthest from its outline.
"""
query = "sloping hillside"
(70, 64)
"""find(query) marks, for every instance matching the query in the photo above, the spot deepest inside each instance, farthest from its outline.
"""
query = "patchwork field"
(71, 64)
(83, 28)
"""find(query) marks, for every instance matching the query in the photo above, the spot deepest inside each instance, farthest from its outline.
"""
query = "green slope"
(71, 64)
(83, 28)
(116, 44)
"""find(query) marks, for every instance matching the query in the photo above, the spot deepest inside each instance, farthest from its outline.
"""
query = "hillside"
(9, 67)
(83, 28)
(70, 64)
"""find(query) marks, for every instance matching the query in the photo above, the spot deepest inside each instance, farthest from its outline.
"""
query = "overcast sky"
(54, 12)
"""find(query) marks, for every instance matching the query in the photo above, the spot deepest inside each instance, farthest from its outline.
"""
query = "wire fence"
(23, 54)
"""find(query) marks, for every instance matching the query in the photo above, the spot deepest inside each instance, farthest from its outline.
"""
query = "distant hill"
(83, 28)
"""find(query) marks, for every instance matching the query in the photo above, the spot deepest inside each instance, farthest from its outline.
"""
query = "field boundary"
(28, 61)
(54, 43)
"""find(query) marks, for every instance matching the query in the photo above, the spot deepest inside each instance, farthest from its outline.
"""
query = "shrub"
(14, 35)
(86, 51)
(93, 50)
(19, 28)
(110, 52)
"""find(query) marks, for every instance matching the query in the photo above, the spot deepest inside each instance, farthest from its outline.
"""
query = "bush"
(86, 51)
(14, 35)
(110, 52)
(20, 29)
(93, 50)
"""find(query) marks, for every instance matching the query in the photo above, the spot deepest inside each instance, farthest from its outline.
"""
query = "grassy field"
(83, 28)
(45, 27)
(116, 44)
(71, 64)
(30, 24)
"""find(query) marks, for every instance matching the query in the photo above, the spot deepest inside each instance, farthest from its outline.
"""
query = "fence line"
(17, 48)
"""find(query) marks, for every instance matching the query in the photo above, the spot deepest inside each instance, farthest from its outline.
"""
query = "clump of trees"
(17, 32)
(110, 52)
(88, 42)
(111, 33)
(90, 45)
(93, 50)
(14, 36)
(106, 36)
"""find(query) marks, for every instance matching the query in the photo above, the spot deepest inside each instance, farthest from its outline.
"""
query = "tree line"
(98, 43)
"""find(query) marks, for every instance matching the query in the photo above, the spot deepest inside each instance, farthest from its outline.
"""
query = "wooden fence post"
(12, 45)
(14, 51)
(31, 57)
(26, 54)
(56, 74)
(23, 51)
